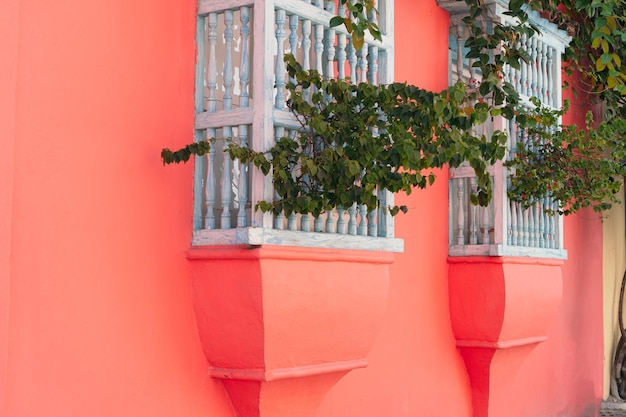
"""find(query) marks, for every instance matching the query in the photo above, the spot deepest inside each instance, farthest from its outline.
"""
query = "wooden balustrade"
(505, 227)
(241, 96)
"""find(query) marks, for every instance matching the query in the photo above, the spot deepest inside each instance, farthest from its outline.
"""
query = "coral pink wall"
(415, 369)
(564, 374)
(9, 19)
(100, 318)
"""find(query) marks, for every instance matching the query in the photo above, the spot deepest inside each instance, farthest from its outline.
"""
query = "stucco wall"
(101, 322)
(99, 310)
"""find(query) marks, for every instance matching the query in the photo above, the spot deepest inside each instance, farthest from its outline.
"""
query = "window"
(504, 228)
(241, 96)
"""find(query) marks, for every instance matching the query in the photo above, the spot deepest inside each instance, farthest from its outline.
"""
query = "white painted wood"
(199, 135)
(362, 229)
(504, 224)
(207, 6)
(352, 225)
(244, 101)
(259, 122)
(330, 222)
(281, 35)
(329, 49)
(503, 250)
(460, 216)
(319, 16)
(221, 118)
(257, 236)
(352, 61)
(372, 225)
(341, 222)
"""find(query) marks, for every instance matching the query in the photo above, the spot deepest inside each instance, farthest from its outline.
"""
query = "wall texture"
(95, 292)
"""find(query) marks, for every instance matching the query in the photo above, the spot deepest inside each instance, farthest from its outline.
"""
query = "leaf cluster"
(577, 167)
(358, 139)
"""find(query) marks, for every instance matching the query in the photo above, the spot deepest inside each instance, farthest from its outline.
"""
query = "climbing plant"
(577, 166)
(396, 133)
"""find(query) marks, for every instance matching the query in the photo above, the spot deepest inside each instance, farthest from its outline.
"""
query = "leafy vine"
(345, 150)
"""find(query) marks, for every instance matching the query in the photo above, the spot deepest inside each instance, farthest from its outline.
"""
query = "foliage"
(598, 45)
(577, 167)
(345, 149)
(581, 167)
(357, 139)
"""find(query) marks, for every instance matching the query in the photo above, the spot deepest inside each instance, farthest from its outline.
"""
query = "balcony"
(241, 96)
(285, 305)
(505, 228)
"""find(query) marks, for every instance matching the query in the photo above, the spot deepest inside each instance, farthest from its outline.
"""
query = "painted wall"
(100, 320)
(563, 376)
(95, 298)
(414, 365)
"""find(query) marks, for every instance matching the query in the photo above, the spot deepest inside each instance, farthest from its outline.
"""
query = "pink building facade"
(106, 308)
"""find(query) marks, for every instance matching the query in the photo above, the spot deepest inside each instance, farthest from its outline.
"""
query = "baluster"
(352, 220)
(372, 225)
(279, 221)
(486, 224)
(211, 106)
(228, 131)
(514, 229)
(520, 227)
(319, 48)
(293, 33)
(533, 62)
(551, 237)
(306, 44)
(210, 186)
(305, 223)
(228, 60)
(341, 48)
(551, 97)
(529, 66)
(541, 226)
(244, 102)
(306, 54)
(281, 34)
(509, 223)
(330, 45)
(523, 68)
(352, 62)
(525, 231)
(226, 182)
(373, 55)
(460, 215)
(330, 223)
(292, 222)
(362, 54)
(211, 69)
(363, 220)
(518, 75)
(459, 53)
(512, 138)
(532, 240)
(472, 220)
(318, 224)
(541, 92)
(341, 222)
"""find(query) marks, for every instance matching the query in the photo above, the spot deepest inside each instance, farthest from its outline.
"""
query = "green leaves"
(578, 168)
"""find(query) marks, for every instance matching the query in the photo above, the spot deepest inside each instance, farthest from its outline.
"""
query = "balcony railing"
(505, 227)
(241, 96)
